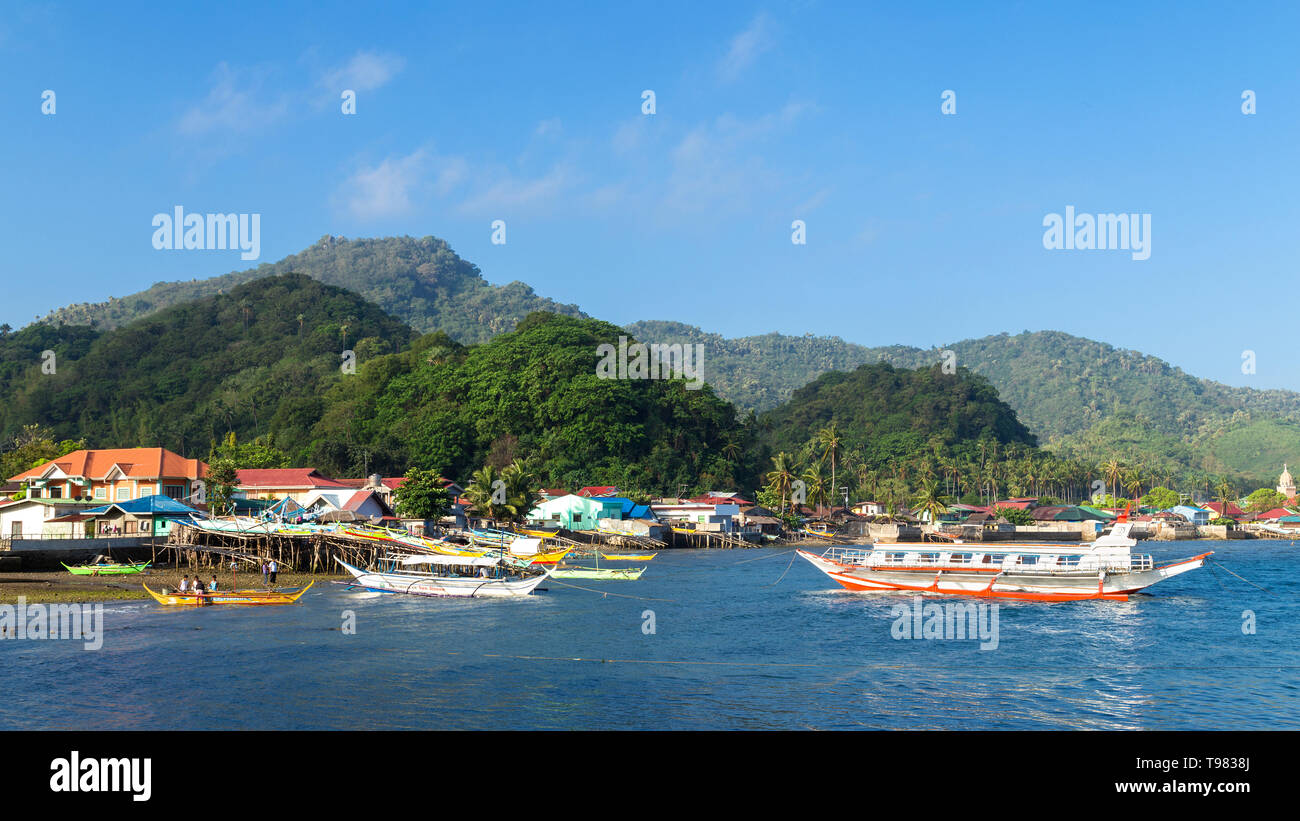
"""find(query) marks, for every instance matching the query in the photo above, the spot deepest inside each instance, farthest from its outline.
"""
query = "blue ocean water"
(741, 640)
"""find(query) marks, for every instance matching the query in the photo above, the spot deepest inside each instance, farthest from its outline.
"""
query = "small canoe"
(107, 568)
(287, 596)
(628, 557)
(608, 573)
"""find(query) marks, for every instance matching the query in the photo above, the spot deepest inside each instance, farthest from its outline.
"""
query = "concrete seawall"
(50, 554)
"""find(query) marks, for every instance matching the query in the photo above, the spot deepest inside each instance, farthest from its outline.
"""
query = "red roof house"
(1234, 512)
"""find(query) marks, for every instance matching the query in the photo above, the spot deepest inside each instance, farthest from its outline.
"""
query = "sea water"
(706, 639)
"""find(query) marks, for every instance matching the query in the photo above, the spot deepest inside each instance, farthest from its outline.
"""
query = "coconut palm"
(1133, 485)
(815, 485)
(782, 475)
(1112, 471)
(521, 492)
(929, 500)
(830, 440)
(487, 493)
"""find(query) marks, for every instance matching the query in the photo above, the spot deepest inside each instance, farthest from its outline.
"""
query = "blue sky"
(922, 228)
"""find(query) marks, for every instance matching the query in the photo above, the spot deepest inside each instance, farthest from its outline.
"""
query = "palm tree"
(1225, 495)
(487, 493)
(1133, 486)
(521, 493)
(815, 484)
(781, 477)
(830, 440)
(1112, 470)
(928, 500)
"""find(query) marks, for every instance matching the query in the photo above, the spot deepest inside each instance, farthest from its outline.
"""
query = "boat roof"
(459, 561)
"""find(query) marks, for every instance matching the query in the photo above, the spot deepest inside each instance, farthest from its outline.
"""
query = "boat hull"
(440, 586)
(108, 569)
(240, 597)
(606, 573)
(996, 583)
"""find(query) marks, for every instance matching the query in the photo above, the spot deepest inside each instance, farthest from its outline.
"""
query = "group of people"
(197, 586)
(269, 571)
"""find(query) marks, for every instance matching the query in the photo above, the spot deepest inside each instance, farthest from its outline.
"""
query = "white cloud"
(366, 71)
(745, 48)
(514, 192)
(233, 104)
(386, 189)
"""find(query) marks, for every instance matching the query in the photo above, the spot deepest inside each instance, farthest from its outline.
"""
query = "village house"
(574, 512)
(869, 508)
(303, 485)
(116, 475)
(1234, 512)
(1195, 515)
(147, 517)
(383, 487)
(760, 520)
(703, 515)
(38, 517)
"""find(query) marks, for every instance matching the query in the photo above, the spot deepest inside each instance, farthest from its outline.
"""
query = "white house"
(29, 518)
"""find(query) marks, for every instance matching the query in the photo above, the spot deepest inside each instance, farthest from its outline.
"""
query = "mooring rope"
(1244, 579)
(553, 580)
(783, 572)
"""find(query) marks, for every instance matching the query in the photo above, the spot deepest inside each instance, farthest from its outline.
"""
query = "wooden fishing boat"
(628, 557)
(246, 597)
(108, 568)
(456, 576)
(598, 572)
(606, 573)
(549, 557)
(539, 534)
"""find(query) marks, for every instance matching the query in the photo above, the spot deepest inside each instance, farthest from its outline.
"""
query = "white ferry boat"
(1104, 569)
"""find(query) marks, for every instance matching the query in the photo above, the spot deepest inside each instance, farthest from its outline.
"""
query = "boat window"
(929, 558)
(1069, 561)
(894, 557)
(1027, 560)
(960, 558)
(988, 558)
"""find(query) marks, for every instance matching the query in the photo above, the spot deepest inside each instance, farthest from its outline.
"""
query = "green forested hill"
(887, 413)
(264, 362)
(1083, 399)
(532, 394)
(251, 361)
(420, 281)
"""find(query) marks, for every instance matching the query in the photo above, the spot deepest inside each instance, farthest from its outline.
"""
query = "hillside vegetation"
(420, 281)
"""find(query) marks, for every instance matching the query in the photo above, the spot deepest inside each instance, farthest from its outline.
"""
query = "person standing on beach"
(265, 571)
(185, 583)
(274, 567)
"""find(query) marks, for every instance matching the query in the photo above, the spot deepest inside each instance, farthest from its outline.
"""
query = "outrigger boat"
(202, 598)
(607, 573)
(598, 572)
(459, 576)
(628, 557)
(108, 568)
(1106, 569)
